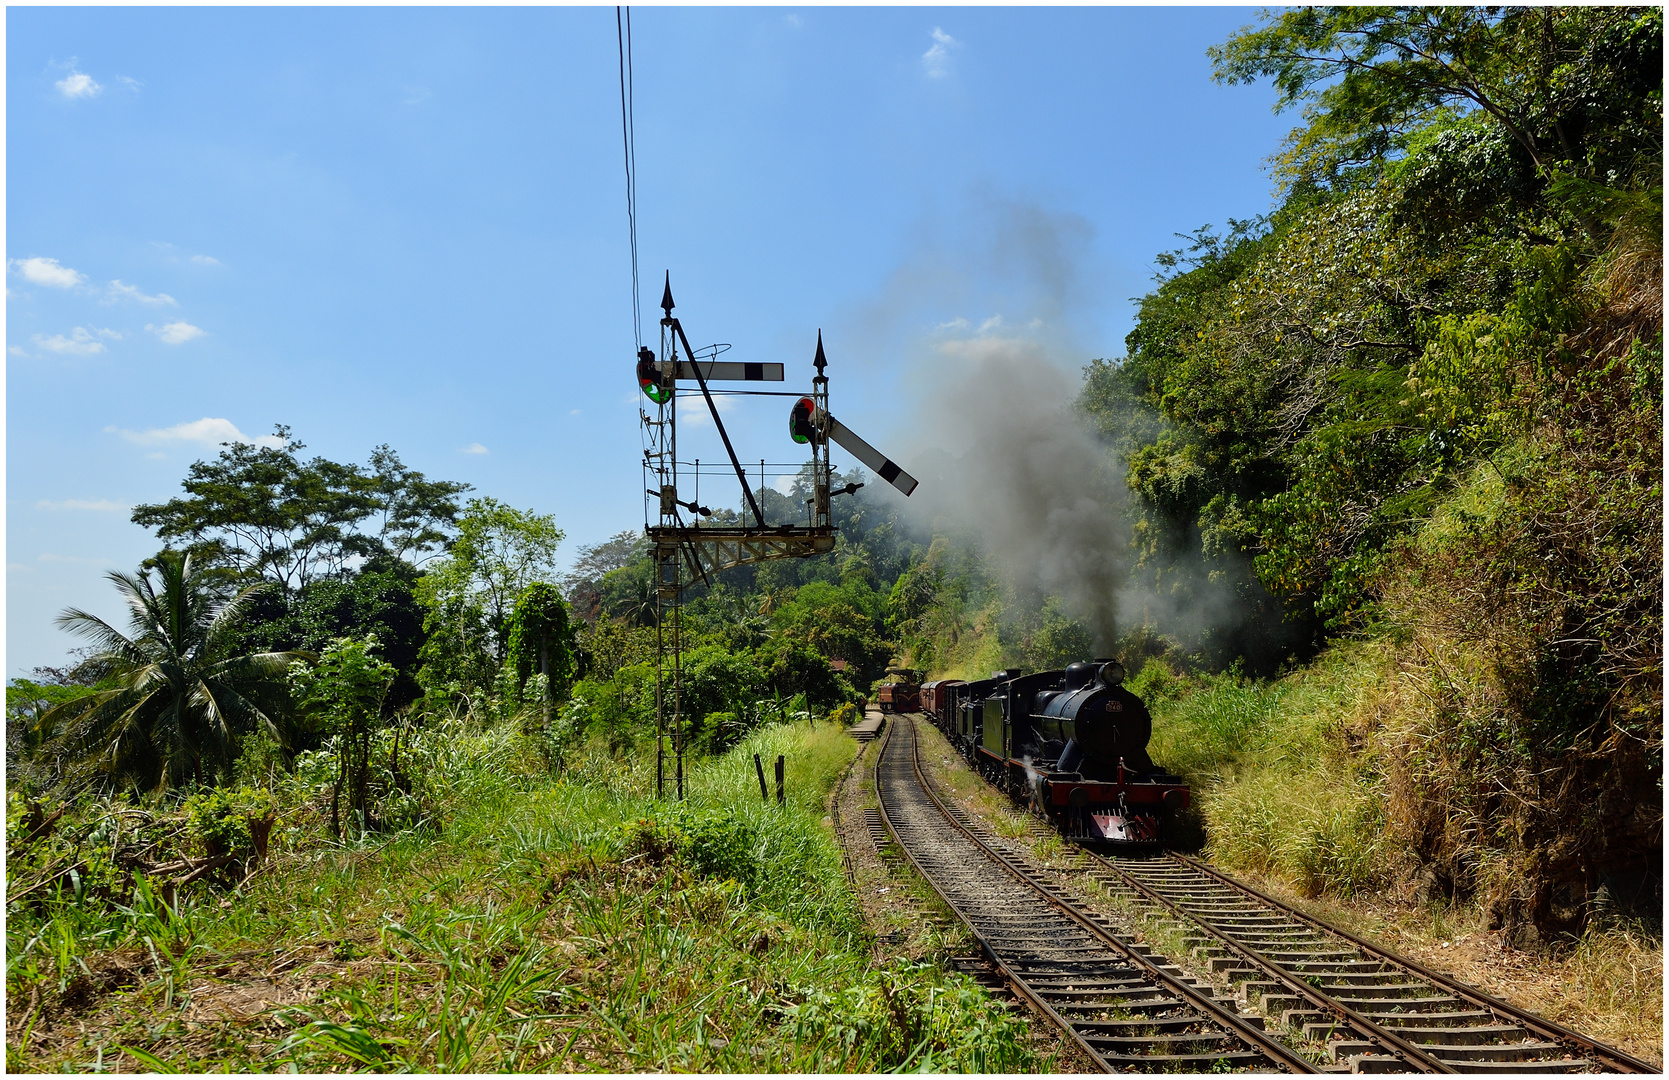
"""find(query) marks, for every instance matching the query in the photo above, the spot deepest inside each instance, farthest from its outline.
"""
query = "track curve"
(1386, 1012)
(1125, 1010)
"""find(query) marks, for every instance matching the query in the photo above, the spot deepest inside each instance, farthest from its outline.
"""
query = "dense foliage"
(1422, 400)
(170, 700)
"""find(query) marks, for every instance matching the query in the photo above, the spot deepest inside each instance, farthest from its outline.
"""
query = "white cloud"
(16, 350)
(784, 484)
(79, 504)
(982, 350)
(692, 409)
(990, 324)
(957, 323)
(119, 291)
(76, 85)
(42, 271)
(473, 448)
(205, 260)
(130, 82)
(794, 20)
(210, 430)
(176, 333)
(81, 342)
(573, 412)
(936, 60)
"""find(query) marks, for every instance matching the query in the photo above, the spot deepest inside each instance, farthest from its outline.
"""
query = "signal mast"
(686, 552)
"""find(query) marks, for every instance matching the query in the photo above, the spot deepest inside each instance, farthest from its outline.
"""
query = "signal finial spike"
(666, 296)
(821, 361)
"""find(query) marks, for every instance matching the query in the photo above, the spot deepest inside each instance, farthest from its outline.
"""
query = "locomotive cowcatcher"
(1070, 744)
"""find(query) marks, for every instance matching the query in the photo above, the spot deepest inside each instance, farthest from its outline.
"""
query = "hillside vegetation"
(1420, 405)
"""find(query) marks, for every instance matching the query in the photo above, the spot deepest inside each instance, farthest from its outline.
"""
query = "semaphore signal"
(688, 551)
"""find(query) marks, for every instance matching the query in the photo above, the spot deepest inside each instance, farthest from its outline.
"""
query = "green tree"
(183, 699)
(379, 598)
(841, 622)
(346, 689)
(541, 641)
(583, 584)
(263, 511)
(1574, 88)
(793, 667)
(413, 512)
(469, 595)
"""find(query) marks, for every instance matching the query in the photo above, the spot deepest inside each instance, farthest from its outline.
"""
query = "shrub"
(229, 821)
(709, 842)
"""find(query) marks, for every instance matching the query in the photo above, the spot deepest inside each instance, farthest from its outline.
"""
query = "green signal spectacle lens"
(649, 380)
(799, 421)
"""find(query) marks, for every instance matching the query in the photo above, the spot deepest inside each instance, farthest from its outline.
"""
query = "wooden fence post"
(759, 768)
(779, 779)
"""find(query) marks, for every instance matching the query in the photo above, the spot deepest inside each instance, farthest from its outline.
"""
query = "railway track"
(1369, 1009)
(1381, 1011)
(1127, 1010)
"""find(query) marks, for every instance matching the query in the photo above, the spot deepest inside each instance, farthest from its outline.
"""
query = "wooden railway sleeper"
(1552, 1032)
(1251, 1036)
(1401, 1047)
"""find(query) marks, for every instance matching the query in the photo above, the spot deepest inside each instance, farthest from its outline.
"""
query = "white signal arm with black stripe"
(879, 463)
(725, 371)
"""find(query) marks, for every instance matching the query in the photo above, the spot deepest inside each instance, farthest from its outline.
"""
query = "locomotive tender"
(1071, 744)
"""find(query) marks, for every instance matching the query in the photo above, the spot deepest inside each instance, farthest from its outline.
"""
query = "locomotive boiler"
(1070, 744)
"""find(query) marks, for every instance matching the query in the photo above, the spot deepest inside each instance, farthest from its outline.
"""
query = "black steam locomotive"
(1070, 744)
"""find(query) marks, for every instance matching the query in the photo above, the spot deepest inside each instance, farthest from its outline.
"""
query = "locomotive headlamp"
(800, 418)
(649, 379)
(1112, 673)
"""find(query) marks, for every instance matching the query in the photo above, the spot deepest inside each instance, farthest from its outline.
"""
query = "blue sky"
(407, 226)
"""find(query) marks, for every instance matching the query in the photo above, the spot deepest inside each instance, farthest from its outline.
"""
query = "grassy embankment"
(1289, 785)
(542, 926)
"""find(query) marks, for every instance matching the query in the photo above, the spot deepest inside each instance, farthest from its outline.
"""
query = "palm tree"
(181, 703)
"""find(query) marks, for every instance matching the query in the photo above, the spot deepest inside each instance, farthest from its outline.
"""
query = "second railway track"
(1383, 1011)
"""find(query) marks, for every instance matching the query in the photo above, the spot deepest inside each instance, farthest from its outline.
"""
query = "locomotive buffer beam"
(709, 550)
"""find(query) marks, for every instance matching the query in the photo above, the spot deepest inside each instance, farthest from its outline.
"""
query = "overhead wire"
(628, 139)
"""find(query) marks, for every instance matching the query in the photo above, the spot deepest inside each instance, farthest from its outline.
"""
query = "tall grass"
(526, 927)
(1284, 783)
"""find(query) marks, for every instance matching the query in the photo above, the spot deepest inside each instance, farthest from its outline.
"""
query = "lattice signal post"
(687, 552)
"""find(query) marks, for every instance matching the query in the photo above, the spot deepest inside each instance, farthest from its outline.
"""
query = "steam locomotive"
(1070, 744)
